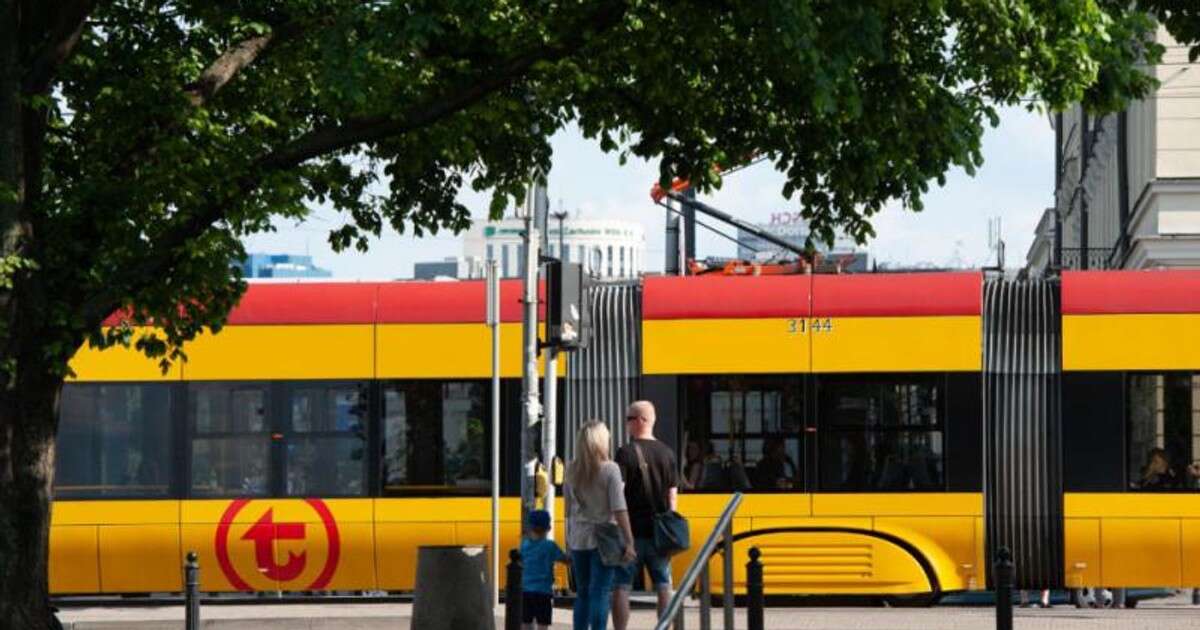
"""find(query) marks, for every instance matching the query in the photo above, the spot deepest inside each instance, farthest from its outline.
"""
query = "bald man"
(646, 495)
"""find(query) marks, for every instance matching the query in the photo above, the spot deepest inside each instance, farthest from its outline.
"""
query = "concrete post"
(452, 589)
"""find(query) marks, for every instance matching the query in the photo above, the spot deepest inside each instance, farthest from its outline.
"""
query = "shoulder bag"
(610, 540)
(671, 534)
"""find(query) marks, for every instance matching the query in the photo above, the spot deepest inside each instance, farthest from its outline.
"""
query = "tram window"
(1164, 431)
(881, 433)
(435, 437)
(325, 453)
(114, 440)
(743, 433)
(231, 441)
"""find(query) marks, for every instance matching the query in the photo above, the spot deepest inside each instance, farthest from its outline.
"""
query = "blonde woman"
(594, 495)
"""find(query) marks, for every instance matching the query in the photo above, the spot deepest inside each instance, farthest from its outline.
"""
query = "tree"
(141, 139)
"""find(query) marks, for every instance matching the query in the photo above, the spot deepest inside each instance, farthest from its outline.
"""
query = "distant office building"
(792, 228)
(608, 248)
(281, 266)
(1128, 184)
(459, 268)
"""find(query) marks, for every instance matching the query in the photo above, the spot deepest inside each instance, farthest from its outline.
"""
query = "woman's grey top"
(590, 505)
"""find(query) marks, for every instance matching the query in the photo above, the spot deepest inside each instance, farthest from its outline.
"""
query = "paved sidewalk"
(1168, 614)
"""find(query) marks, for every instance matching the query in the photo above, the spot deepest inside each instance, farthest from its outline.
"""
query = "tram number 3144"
(816, 325)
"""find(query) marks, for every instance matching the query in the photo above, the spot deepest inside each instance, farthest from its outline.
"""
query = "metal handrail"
(700, 564)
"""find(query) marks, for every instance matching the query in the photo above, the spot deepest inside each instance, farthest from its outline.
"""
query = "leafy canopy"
(172, 129)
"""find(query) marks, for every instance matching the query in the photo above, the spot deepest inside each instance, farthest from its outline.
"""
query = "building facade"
(1128, 184)
(791, 227)
(281, 266)
(607, 248)
(462, 268)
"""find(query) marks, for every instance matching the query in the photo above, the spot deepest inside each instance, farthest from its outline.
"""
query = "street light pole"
(493, 322)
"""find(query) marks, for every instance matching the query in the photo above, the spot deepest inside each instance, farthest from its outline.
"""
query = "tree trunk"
(28, 420)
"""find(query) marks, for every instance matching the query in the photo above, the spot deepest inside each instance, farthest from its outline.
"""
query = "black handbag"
(671, 533)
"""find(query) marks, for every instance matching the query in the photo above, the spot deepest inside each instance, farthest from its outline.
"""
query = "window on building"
(231, 439)
(1164, 431)
(491, 252)
(742, 433)
(608, 271)
(621, 261)
(566, 253)
(114, 440)
(325, 451)
(583, 259)
(436, 436)
(504, 270)
(881, 433)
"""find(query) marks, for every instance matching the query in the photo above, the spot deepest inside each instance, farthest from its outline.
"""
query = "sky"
(1015, 184)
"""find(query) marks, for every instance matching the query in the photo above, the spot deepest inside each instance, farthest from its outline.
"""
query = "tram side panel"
(1131, 361)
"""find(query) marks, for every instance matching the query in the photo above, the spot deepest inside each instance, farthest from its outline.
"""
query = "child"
(537, 582)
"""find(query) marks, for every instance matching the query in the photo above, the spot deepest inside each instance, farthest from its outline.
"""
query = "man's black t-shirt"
(660, 460)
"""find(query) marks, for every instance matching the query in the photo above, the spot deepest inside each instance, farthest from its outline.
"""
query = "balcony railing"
(1097, 258)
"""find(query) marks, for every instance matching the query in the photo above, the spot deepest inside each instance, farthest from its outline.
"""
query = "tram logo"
(265, 535)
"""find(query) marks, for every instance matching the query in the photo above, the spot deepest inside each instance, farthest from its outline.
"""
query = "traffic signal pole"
(529, 380)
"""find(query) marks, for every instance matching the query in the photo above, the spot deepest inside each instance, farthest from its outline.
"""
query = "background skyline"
(1015, 183)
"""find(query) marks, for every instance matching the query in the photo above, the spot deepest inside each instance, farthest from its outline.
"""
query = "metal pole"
(529, 375)
(705, 599)
(1004, 575)
(550, 428)
(727, 575)
(754, 591)
(191, 592)
(493, 321)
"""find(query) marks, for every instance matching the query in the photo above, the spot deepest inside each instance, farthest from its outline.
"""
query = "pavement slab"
(1167, 614)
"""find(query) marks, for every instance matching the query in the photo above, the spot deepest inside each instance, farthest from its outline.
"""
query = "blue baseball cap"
(539, 519)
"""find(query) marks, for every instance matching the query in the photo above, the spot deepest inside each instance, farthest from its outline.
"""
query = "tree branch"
(59, 46)
(232, 61)
(168, 247)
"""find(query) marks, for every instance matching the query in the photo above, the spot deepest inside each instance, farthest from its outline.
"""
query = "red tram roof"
(898, 294)
(713, 297)
(306, 303)
(1110, 292)
(733, 297)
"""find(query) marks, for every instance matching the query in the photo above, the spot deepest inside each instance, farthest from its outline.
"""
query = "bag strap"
(647, 477)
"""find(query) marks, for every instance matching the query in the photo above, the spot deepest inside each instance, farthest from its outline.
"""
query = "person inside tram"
(1157, 473)
(775, 469)
(693, 465)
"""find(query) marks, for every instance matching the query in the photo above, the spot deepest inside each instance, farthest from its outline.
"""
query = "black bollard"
(512, 592)
(754, 591)
(1003, 570)
(191, 592)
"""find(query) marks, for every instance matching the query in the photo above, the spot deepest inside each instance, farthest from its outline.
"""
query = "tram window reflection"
(114, 440)
(230, 446)
(742, 432)
(436, 437)
(326, 440)
(881, 433)
(1164, 432)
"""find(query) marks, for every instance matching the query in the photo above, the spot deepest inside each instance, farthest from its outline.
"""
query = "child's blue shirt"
(539, 557)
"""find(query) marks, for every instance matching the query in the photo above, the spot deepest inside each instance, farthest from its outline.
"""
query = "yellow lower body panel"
(1132, 539)
(366, 544)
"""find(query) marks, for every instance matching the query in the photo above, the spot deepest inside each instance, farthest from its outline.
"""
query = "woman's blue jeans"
(593, 586)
